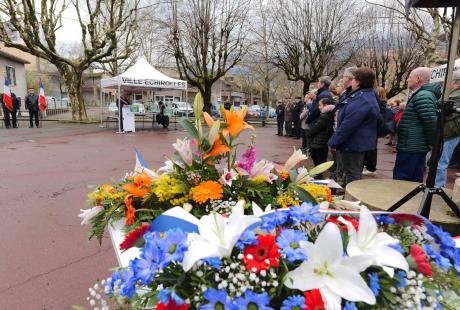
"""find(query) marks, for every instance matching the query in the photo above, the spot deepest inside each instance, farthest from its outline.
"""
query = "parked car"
(65, 102)
(182, 109)
(215, 110)
(50, 102)
(254, 111)
(113, 107)
(271, 112)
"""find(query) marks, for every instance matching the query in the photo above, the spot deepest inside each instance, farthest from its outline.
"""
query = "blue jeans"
(448, 149)
(409, 166)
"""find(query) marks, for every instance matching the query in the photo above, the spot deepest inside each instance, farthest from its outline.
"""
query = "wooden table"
(381, 194)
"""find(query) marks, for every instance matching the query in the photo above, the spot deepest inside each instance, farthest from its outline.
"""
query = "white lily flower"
(184, 148)
(328, 270)
(167, 168)
(217, 235)
(228, 176)
(368, 241)
(303, 176)
(294, 159)
(150, 173)
(257, 211)
(347, 205)
(87, 214)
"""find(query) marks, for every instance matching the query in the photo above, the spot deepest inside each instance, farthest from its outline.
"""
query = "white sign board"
(438, 74)
(128, 120)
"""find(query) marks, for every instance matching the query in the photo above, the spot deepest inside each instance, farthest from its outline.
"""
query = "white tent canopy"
(143, 75)
(438, 74)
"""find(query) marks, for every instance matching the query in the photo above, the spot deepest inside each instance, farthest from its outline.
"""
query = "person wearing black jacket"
(296, 117)
(323, 92)
(10, 116)
(280, 117)
(320, 131)
(31, 104)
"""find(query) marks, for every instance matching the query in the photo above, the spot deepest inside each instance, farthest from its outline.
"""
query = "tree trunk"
(73, 79)
(207, 98)
(306, 86)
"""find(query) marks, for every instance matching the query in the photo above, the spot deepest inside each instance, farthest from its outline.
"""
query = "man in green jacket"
(416, 130)
(451, 133)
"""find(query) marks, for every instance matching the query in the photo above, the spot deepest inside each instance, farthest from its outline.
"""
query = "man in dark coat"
(280, 117)
(323, 92)
(296, 117)
(356, 130)
(9, 117)
(31, 104)
(416, 129)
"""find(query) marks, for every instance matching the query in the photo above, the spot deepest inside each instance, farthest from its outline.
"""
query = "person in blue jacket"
(356, 130)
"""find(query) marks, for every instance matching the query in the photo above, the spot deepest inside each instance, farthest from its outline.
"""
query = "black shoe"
(31, 126)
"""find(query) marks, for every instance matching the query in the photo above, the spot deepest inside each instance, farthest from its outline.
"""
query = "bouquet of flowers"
(294, 258)
(204, 175)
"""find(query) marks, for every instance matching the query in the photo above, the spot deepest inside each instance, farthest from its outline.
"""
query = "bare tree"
(428, 26)
(390, 50)
(101, 22)
(207, 40)
(313, 38)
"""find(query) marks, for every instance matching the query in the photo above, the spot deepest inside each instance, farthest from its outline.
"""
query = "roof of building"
(8, 54)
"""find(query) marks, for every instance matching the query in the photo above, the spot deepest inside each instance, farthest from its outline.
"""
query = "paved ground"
(46, 259)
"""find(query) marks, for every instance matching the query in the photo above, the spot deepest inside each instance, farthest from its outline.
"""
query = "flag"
(41, 96)
(7, 100)
(141, 166)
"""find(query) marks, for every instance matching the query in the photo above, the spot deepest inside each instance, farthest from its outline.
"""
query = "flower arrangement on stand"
(217, 231)
(204, 175)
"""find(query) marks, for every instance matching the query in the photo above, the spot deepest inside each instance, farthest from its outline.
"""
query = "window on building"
(137, 97)
(11, 75)
(169, 99)
(177, 99)
(159, 98)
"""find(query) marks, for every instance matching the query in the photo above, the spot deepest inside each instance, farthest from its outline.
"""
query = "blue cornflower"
(374, 283)
(166, 295)
(252, 300)
(438, 258)
(442, 238)
(173, 245)
(110, 284)
(213, 262)
(274, 219)
(402, 283)
(128, 282)
(288, 241)
(397, 247)
(296, 302)
(382, 219)
(306, 212)
(217, 299)
(350, 306)
(247, 238)
(149, 261)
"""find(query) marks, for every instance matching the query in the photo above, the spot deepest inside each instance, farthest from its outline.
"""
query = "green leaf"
(198, 105)
(191, 129)
(214, 132)
(305, 196)
(293, 174)
(320, 168)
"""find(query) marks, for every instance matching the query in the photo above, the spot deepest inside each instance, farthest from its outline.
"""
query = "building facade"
(12, 67)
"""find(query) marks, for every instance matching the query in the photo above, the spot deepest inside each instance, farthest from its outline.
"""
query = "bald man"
(416, 130)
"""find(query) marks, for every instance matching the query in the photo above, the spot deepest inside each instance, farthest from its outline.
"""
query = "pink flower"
(228, 177)
(247, 160)
(184, 149)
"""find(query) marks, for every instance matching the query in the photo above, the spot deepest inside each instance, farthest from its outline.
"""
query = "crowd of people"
(342, 120)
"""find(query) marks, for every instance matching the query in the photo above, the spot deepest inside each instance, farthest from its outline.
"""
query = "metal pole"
(119, 109)
(452, 53)
(100, 103)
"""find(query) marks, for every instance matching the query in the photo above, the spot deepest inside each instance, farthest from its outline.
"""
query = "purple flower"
(247, 160)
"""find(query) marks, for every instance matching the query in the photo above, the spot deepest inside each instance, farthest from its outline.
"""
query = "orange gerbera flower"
(207, 190)
(135, 191)
(142, 179)
(107, 189)
(235, 122)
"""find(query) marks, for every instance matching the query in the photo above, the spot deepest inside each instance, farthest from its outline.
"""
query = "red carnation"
(421, 261)
(313, 300)
(133, 237)
(407, 219)
(262, 255)
(171, 306)
(341, 225)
